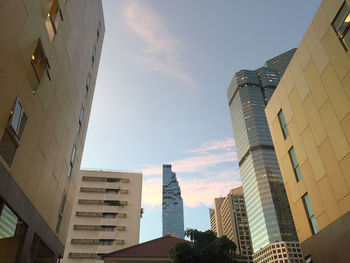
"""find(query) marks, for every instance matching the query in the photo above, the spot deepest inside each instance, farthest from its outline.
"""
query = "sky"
(160, 94)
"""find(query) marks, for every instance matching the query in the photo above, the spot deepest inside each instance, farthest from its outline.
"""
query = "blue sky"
(161, 91)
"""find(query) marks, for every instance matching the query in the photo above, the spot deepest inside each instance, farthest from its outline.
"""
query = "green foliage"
(206, 248)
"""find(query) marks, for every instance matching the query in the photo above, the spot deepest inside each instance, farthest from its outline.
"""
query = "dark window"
(109, 215)
(71, 162)
(112, 191)
(93, 56)
(39, 65)
(13, 133)
(98, 30)
(81, 117)
(87, 86)
(39, 251)
(310, 214)
(107, 228)
(60, 212)
(105, 242)
(341, 25)
(295, 164)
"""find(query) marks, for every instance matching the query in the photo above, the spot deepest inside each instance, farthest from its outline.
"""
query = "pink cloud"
(219, 144)
(195, 191)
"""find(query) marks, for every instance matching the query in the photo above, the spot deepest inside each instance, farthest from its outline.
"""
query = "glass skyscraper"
(172, 212)
(269, 215)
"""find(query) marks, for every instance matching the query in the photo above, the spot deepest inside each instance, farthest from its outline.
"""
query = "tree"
(206, 248)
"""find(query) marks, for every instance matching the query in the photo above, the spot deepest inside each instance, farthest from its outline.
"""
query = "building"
(234, 222)
(218, 220)
(106, 215)
(173, 209)
(212, 219)
(48, 67)
(283, 252)
(281, 62)
(269, 216)
(309, 119)
(153, 251)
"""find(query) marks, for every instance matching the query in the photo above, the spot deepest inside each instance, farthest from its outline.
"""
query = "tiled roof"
(156, 248)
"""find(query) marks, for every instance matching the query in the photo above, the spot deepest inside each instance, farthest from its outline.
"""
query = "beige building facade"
(280, 252)
(231, 212)
(49, 57)
(106, 215)
(309, 120)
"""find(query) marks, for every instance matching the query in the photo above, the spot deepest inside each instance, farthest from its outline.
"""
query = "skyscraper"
(50, 52)
(309, 118)
(173, 211)
(269, 216)
(231, 212)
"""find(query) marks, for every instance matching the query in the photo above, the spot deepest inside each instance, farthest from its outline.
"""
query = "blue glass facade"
(172, 212)
(269, 215)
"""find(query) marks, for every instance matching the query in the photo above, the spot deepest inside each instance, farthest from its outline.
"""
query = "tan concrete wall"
(130, 235)
(41, 163)
(314, 94)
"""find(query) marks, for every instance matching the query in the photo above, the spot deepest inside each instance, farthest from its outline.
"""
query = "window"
(12, 232)
(71, 162)
(310, 214)
(112, 191)
(109, 215)
(13, 133)
(88, 80)
(60, 212)
(93, 56)
(53, 19)
(98, 30)
(105, 242)
(107, 228)
(295, 164)
(39, 65)
(40, 252)
(81, 116)
(341, 25)
(99, 256)
(283, 124)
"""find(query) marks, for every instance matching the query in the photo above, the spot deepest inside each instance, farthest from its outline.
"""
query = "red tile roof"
(156, 248)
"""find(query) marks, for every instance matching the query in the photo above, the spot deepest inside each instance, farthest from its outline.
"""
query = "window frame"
(283, 124)
(342, 33)
(310, 214)
(295, 166)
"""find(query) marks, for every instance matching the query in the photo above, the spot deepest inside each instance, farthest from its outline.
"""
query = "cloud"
(208, 154)
(220, 144)
(195, 191)
(202, 176)
(160, 52)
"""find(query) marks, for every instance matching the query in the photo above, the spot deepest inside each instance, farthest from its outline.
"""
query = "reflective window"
(88, 80)
(81, 116)
(12, 231)
(310, 214)
(341, 25)
(105, 242)
(53, 19)
(295, 164)
(283, 124)
(60, 212)
(71, 163)
(109, 215)
(107, 228)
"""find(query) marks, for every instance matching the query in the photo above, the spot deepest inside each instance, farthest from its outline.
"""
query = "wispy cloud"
(160, 52)
(202, 176)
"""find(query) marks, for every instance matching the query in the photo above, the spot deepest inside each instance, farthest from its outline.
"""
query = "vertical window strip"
(283, 124)
(295, 164)
(310, 214)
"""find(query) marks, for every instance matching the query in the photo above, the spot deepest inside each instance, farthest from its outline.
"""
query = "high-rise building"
(217, 204)
(50, 52)
(106, 215)
(212, 219)
(269, 216)
(309, 118)
(173, 209)
(234, 222)
(281, 62)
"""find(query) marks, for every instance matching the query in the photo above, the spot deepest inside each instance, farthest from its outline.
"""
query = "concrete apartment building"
(212, 220)
(172, 204)
(106, 215)
(269, 216)
(280, 252)
(49, 58)
(309, 119)
(234, 221)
